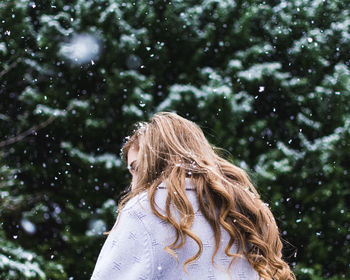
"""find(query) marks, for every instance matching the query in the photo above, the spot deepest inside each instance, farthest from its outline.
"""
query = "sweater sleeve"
(127, 251)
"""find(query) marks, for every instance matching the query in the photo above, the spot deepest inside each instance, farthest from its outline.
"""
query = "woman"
(189, 213)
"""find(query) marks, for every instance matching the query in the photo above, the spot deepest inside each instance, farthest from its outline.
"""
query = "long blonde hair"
(172, 148)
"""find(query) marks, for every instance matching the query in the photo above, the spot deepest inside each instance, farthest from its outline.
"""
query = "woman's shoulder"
(134, 202)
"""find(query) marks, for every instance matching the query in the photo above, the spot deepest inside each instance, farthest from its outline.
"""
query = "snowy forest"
(268, 81)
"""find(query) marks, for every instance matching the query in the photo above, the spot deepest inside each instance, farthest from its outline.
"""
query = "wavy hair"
(172, 148)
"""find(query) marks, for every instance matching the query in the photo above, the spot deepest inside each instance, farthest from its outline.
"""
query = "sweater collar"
(188, 185)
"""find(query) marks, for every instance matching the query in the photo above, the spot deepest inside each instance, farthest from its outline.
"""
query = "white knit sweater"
(134, 249)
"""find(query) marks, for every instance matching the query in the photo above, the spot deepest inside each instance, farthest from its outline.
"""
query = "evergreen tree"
(266, 80)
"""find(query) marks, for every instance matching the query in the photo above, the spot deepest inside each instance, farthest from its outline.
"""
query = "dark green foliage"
(266, 80)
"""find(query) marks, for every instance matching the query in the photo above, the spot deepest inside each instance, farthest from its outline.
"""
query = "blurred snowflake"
(81, 49)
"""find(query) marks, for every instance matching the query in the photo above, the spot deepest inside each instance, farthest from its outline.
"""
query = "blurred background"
(268, 81)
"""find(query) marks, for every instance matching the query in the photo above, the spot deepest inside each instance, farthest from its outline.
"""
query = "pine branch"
(11, 66)
(30, 131)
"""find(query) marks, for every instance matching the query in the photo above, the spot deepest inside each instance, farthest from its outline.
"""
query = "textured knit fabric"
(134, 249)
